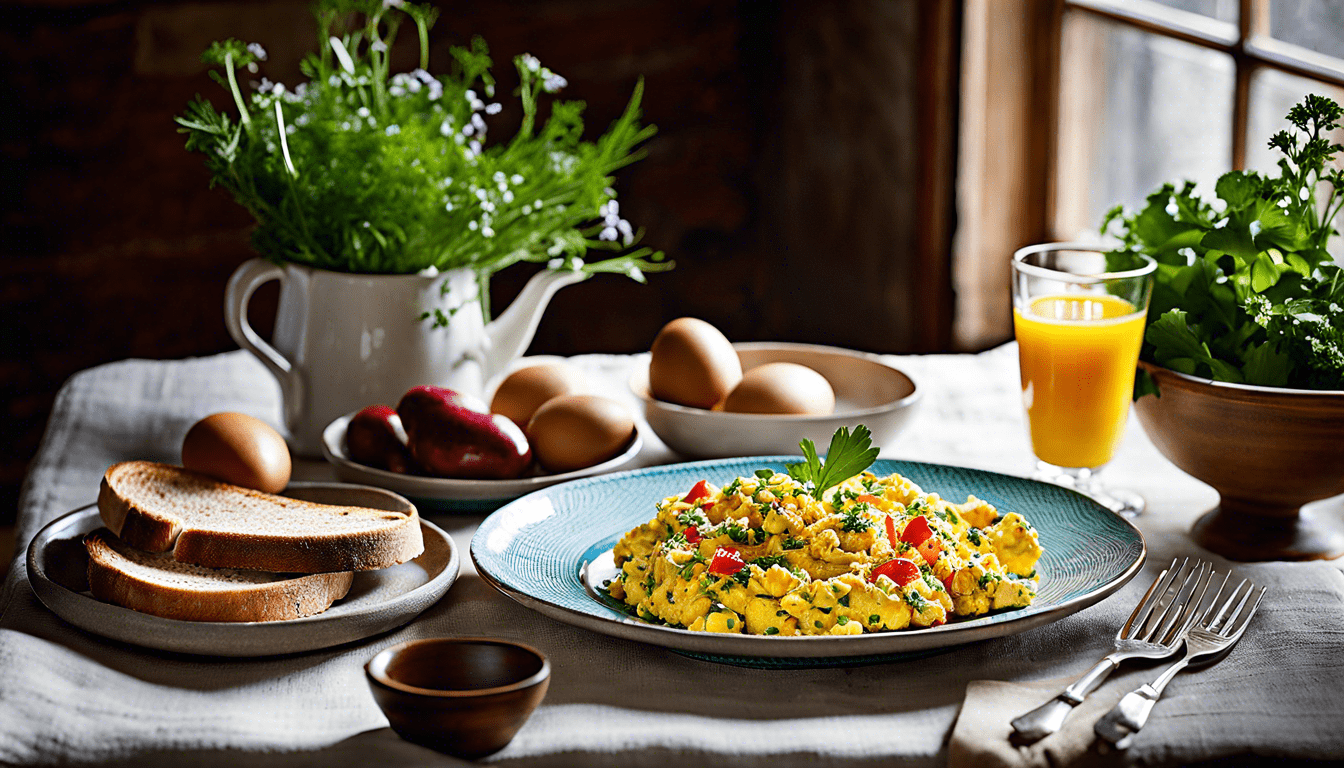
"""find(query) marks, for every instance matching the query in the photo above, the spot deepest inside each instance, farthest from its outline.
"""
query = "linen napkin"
(1276, 693)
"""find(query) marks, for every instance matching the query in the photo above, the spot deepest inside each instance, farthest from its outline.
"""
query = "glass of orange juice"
(1079, 329)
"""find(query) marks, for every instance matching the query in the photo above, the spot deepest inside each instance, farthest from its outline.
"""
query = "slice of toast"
(157, 584)
(161, 507)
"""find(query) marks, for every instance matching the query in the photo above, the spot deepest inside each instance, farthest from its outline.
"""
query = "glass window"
(1223, 10)
(1314, 24)
(1152, 109)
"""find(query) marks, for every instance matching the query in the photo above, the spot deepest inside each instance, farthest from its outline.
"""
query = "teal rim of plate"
(538, 545)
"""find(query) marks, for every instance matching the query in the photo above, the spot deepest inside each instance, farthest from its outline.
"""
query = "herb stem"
(233, 88)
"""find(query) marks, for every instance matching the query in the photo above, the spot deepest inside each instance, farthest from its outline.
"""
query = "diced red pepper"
(916, 531)
(938, 622)
(891, 531)
(931, 548)
(693, 534)
(947, 583)
(899, 570)
(699, 491)
(867, 498)
(726, 562)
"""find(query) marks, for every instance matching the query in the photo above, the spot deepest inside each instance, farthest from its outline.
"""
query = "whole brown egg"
(784, 389)
(691, 363)
(575, 431)
(523, 391)
(238, 449)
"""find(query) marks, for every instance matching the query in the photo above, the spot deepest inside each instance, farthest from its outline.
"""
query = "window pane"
(1136, 110)
(1314, 24)
(1273, 93)
(1223, 10)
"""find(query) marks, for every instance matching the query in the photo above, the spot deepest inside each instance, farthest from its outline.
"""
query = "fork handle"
(1132, 712)
(1049, 717)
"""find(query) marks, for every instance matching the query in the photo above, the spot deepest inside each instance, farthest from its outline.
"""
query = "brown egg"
(692, 364)
(782, 388)
(575, 431)
(522, 393)
(238, 449)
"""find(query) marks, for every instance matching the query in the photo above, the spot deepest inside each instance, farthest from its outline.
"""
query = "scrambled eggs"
(762, 556)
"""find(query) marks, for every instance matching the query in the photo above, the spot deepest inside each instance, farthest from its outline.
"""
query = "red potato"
(452, 436)
(372, 439)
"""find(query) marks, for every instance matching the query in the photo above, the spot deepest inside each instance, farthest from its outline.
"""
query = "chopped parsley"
(854, 521)
(736, 532)
(987, 579)
(917, 601)
(692, 517)
(733, 487)
(764, 563)
(764, 474)
(771, 631)
(817, 624)
(843, 620)
(731, 623)
(973, 536)
(793, 543)
(689, 567)
(844, 601)
(874, 619)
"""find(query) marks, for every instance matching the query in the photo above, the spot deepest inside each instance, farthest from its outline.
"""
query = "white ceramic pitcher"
(343, 341)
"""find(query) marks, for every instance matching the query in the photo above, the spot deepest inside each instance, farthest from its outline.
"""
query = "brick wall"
(782, 178)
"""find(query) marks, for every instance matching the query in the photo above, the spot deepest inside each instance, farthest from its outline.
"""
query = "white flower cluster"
(550, 81)
(417, 80)
(614, 225)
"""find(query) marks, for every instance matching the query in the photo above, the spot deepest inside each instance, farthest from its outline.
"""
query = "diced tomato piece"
(867, 498)
(899, 570)
(693, 534)
(726, 562)
(916, 531)
(938, 622)
(699, 491)
(931, 549)
(891, 531)
(947, 583)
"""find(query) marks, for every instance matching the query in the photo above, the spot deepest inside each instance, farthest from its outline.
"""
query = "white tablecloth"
(69, 696)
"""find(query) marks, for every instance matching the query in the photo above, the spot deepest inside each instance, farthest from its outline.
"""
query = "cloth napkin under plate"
(1269, 697)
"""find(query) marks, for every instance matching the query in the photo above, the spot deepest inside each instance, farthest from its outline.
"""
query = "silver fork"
(1210, 635)
(1153, 631)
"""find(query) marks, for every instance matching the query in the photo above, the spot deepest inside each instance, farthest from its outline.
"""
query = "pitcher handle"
(249, 276)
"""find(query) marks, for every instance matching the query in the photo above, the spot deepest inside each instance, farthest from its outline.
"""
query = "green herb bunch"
(360, 170)
(1245, 290)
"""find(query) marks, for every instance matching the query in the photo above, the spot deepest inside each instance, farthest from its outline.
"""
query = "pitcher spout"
(509, 335)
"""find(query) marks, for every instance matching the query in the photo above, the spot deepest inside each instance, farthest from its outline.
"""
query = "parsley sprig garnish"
(849, 454)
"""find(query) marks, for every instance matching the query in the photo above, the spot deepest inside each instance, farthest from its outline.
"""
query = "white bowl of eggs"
(706, 397)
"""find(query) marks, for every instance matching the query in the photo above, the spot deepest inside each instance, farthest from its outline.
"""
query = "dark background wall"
(800, 176)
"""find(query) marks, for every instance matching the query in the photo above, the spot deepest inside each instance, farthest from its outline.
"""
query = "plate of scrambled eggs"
(746, 561)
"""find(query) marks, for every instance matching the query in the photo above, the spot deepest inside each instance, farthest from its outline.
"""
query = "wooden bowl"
(1266, 450)
(867, 391)
(464, 696)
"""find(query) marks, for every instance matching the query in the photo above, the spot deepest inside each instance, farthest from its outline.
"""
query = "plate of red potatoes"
(449, 450)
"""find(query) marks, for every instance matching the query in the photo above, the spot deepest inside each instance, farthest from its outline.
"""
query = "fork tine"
(1222, 611)
(1152, 610)
(1174, 608)
(1192, 609)
(1177, 623)
(1139, 614)
(1231, 621)
(1246, 619)
(1208, 612)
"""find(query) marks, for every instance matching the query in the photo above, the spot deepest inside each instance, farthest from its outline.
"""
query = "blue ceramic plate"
(550, 549)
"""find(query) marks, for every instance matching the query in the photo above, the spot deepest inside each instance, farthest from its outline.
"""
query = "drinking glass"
(1079, 329)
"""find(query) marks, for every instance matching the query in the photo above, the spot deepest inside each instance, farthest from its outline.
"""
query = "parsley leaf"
(848, 455)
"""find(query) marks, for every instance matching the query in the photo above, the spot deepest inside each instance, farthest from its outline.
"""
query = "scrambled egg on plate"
(762, 556)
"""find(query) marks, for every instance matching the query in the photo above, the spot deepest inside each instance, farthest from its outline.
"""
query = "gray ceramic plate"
(549, 551)
(378, 601)
(450, 494)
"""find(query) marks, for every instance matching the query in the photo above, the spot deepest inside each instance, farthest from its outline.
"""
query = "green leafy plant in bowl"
(1241, 379)
(364, 171)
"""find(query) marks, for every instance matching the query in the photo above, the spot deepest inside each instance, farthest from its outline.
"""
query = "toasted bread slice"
(157, 584)
(160, 507)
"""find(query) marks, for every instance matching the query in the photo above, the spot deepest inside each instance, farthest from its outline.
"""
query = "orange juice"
(1078, 355)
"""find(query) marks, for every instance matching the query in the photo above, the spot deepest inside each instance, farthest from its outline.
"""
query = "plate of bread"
(177, 560)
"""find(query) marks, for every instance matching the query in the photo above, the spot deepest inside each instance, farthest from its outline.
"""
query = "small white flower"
(413, 86)
(608, 233)
(467, 130)
(508, 196)
(503, 187)
(278, 89)
(527, 210)
(256, 50)
(252, 67)
(446, 127)
(448, 206)
(393, 3)
(396, 90)
(477, 105)
(611, 208)
(537, 205)
(627, 233)
(494, 109)
(480, 194)
(475, 148)
(362, 112)
(372, 121)
(334, 81)
(435, 91)
(392, 130)
(498, 177)
(551, 82)
(301, 90)
(487, 232)
(478, 122)
(457, 137)
(302, 119)
(378, 46)
(488, 207)
(531, 62)
(264, 86)
(470, 95)
(422, 76)
(516, 179)
(472, 225)
(345, 126)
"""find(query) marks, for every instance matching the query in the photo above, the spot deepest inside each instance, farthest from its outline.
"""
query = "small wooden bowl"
(463, 696)
(1266, 450)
